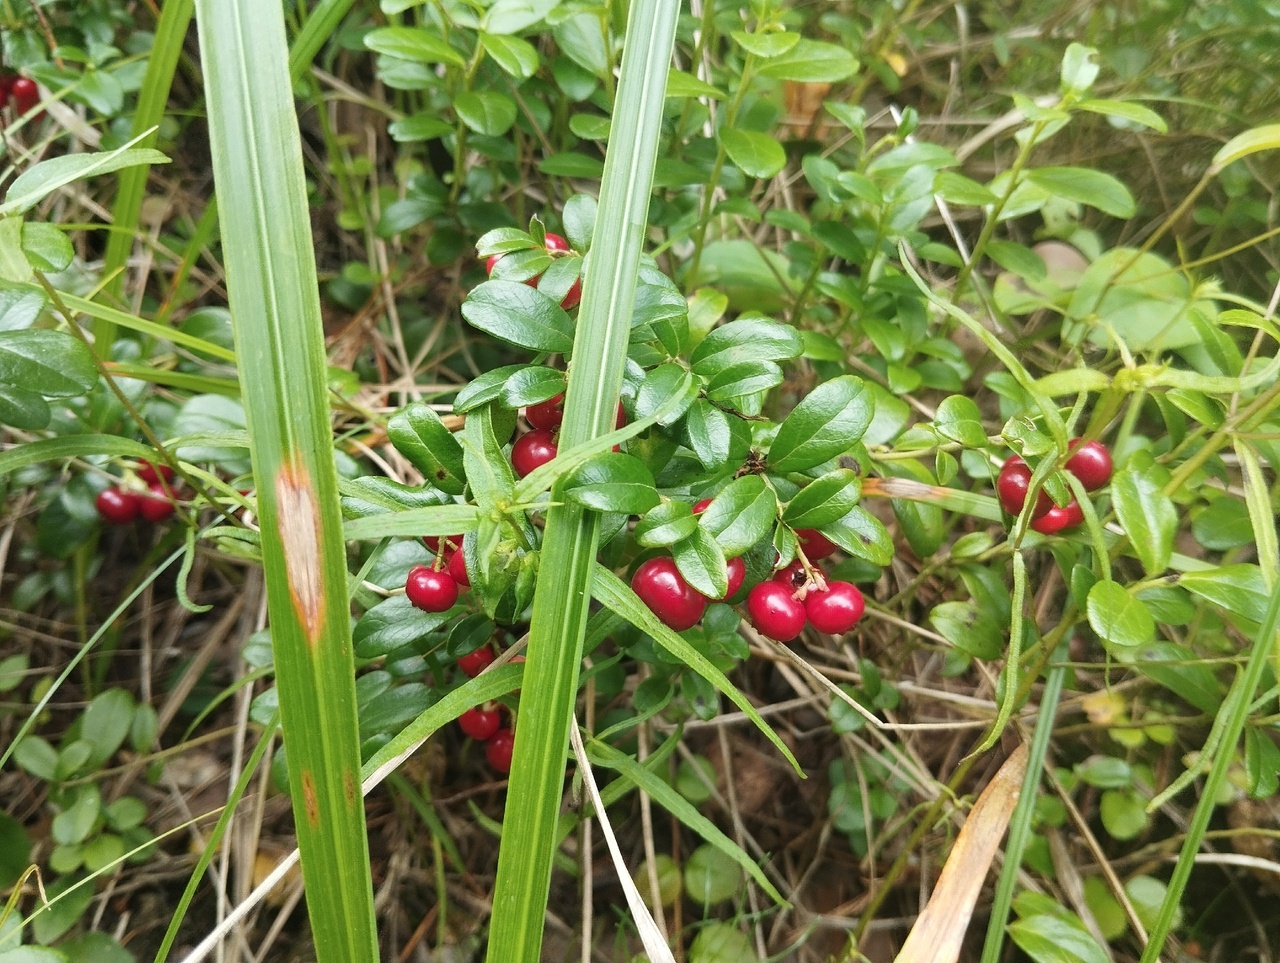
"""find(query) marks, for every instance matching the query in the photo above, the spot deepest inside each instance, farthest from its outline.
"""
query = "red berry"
(774, 612)
(793, 575)
(473, 663)
(546, 415)
(815, 544)
(6, 86)
(621, 420)
(673, 600)
(481, 722)
(702, 506)
(152, 473)
(430, 590)
(1058, 519)
(554, 242)
(25, 94)
(574, 297)
(532, 450)
(1091, 463)
(442, 544)
(116, 506)
(157, 504)
(499, 748)
(1012, 485)
(836, 610)
(491, 262)
(457, 569)
(737, 571)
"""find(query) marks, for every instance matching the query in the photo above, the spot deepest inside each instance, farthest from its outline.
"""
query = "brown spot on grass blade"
(939, 930)
(350, 787)
(309, 799)
(298, 517)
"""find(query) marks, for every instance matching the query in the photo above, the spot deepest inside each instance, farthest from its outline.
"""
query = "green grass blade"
(271, 281)
(560, 605)
(321, 22)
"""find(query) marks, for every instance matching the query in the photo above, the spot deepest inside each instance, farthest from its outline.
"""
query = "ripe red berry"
(481, 722)
(152, 473)
(457, 569)
(836, 610)
(157, 504)
(430, 590)
(473, 663)
(673, 600)
(554, 242)
(1091, 463)
(702, 506)
(532, 450)
(774, 612)
(793, 575)
(815, 544)
(737, 571)
(546, 415)
(1012, 485)
(25, 94)
(491, 262)
(621, 419)
(574, 297)
(1058, 519)
(442, 544)
(116, 506)
(499, 749)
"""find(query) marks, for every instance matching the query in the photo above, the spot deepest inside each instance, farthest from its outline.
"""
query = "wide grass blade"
(560, 606)
(275, 305)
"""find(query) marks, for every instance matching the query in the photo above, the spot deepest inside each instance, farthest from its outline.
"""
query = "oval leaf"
(1118, 617)
(829, 421)
(1149, 517)
(741, 515)
(821, 502)
(755, 154)
(612, 482)
(519, 315)
(419, 434)
(49, 363)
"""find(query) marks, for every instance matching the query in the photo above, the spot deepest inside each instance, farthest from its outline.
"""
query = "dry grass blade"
(939, 930)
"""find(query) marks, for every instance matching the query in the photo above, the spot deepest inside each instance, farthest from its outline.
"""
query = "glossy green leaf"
(392, 624)
(1053, 939)
(485, 388)
(512, 16)
(1148, 516)
(681, 84)
(969, 627)
(828, 422)
(520, 315)
(1086, 186)
(516, 56)
(51, 363)
(702, 563)
(959, 420)
(753, 153)
(716, 438)
(744, 512)
(1123, 812)
(612, 482)
(661, 384)
(419, 434)
(412, 43)
(39, 181)
(47, 247)
(419, 127)
(486, 112)
(531, 385)
(863, 535)
(1177, 669)
(765, 45)
(812, 61)
(824, 500)
(1127, 110)
(665, 524)
(1239, 589)
(1119, 618)
(746, 339)
(20, 408)
(1261, 764)
(1242, 145)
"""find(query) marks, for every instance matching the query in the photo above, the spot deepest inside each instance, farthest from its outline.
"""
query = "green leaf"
(717, 438)
(488, 112)
(418, 127)
(15, 850)
(665, 524)
(532, 385)
(746, 339)
(862, 534)
(1242, 145)
(1018, 258)
(957, 189)
(1126, 110)
(74, 824)
(969, 627)
(485, 388)
(515, 56)
(1261, 764)
(765, 44)
(520, 315)
(106, 723)
(1148, 516)
(50, 922)
(960, 420)
(512, 16)
(1086, 186)
(1053, 939)
(50, 363)
(579, 217)
(37, 757)
(740, 515)
(392, 624)
(1178, 669)
(1123, 812)
(419, 434)
(812, 61)
(825, 500)
(38, 182)
(612, 482)
(1239, 589)
(702, 563)
(828, 422)
(47, 247)
(662, 383)
(412, 43)
(20, 408)
(681, 84)
(14, 266)
(1119, 618)
(1079, 68)
(755, 154)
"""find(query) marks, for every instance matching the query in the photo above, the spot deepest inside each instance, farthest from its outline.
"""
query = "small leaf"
(1127, 110)
(812, 61)
(1238, 589)
(486, 112)
(828, 422)
(412, 43)
(485, 388)
(515, 56)
(20, 408)
(746, 339)
(755, 154)
(532, 385)
(519, 315)
(960, 420)
(1244, 144)
(1148, 516)
(419, 434)
(862, 534)
(1079, 68)
(1118, 617)
(612, 482)
(1086, 186)
(419, 127)
(766, 44)
(47, 247)
(661, 384)
(665, 524)
(717, 438)
(1261, 763)
(969, 627)
(1018, 258)
(740, 515)
(392, 624)
(50, 363)
(38, 182)
(1053, 939)
(681, 84)
(1124, 813)
(825, 500)
(702, 563)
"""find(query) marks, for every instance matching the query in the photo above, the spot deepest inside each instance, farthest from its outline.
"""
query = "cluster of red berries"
(483, 723)
(1090, 462)
(121, 506)
(555, 244)
(435, 587)
(536, 447)
(779, 608)
(22, 91)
